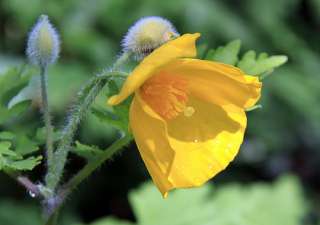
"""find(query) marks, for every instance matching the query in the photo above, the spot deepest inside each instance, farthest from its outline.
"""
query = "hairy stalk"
(85, 172)
(124, 57)
(94, 164)
(85, 98)
(46, 115)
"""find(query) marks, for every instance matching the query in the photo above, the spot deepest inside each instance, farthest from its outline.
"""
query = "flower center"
(167, 95)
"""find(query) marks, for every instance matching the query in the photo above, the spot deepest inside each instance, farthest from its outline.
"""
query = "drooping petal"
(188, 150)
(149, 132)
(217, 83)
(204, 142)
(183, 46)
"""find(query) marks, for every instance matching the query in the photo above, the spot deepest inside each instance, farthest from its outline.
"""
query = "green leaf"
(29, 213)
(226, 54)
(117, 116)
(86, 151)
(6, 135)
(253, 65)
(280, 203)
(5, 149)
(14, 160)
(111, 221)
(11, 82)
(24, 145)
(150, 208)
(263, 65)
(25, 164)
(28, 93)
(108, 117)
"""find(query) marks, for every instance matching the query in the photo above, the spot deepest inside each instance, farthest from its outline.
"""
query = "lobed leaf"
(86, 151)
(224, 205)
(253, 65)
(226, 54)
(262, 66)
(10, 159)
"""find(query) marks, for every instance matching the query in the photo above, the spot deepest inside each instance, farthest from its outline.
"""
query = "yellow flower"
(187, 115)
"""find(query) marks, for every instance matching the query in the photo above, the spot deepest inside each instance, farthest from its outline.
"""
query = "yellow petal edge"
(183, 46)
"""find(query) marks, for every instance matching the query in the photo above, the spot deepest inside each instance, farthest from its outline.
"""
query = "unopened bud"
(43, 45)
(148, 34)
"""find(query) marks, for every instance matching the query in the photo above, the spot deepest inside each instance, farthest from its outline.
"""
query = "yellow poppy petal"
(218, 83)
(204, 143)
(183, 46)
(149, 133)
(188, 150)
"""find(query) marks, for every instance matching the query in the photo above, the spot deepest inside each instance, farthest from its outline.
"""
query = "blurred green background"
(276, 178)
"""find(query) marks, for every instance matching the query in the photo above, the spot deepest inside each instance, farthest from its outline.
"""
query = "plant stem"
(24, 181)
(85, 173)
(94, 164)
(85, 98)
(121, 60)
(46, 115)
(84, 101)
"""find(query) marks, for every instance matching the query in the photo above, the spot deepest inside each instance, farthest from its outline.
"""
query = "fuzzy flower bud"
(148, 34)
(43, 43)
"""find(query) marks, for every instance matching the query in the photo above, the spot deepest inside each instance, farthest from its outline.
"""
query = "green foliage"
(13, 212)
(226, 54)
(28, 214)
(10, 159)
(253, 65)
(86, 151)
(117, 116)
(259, 66)
(15, 148)
(29, 92)
(10, 84)
(281, 203)
(40, 136)
(111, 221)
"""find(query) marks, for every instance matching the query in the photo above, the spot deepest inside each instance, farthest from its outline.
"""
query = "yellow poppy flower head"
(148, 34)
(187, 115)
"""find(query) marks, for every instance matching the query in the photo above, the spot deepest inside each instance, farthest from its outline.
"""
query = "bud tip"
(43, 44)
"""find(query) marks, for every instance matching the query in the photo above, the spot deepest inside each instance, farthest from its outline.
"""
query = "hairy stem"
(123, 58)
(46, 115)
(85, 98)
(94, 164)
(25, 182)
(84, 101)
(84, 173)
